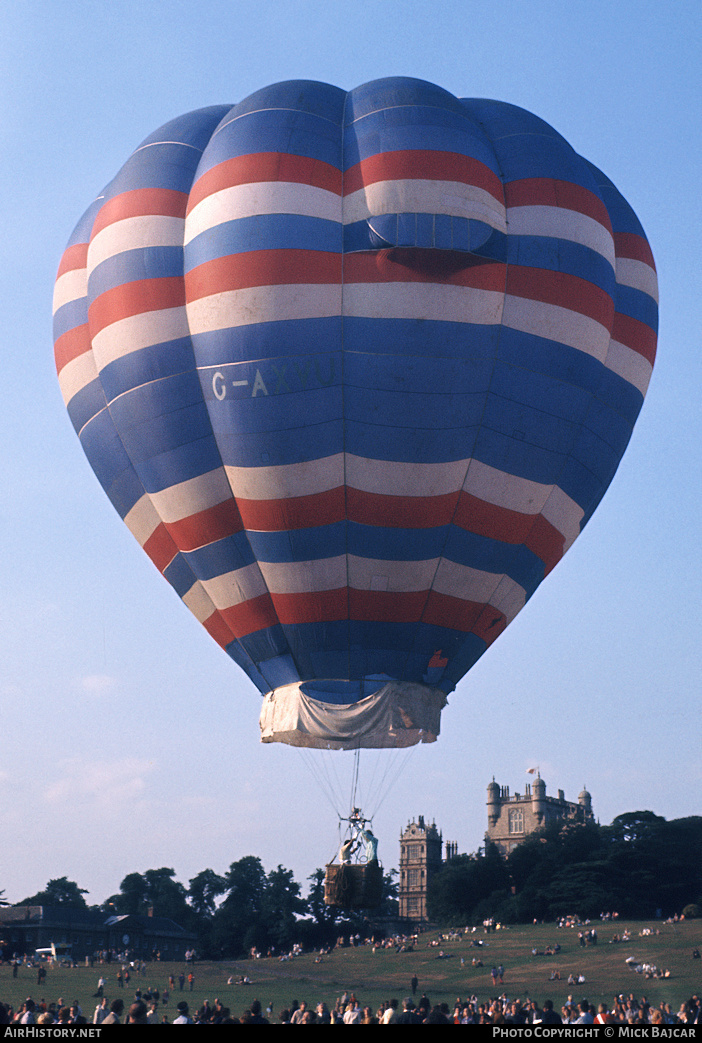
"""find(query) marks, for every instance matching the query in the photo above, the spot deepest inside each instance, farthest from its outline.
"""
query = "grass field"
(378, 976)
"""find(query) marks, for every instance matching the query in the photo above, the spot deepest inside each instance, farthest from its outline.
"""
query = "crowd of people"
(168, 1005)
(348, 1010)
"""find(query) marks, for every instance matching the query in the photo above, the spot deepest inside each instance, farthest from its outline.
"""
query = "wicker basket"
(353, 887)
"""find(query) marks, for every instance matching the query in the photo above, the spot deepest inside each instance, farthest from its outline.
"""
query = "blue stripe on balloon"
(193, 129)
(323, 541)
(538, 355)
(461, 661)
(168, 359)
(166, 431)
(637, 305)
(561, 255)
(69, 316)
(392, 372)
(608, 424)
(125, 491)
(223, 556)
(303, 134)
(281, 670)
(542, 391)
(418, 445)
(237, 653)
(105, 450)
(400, 410)
(385, 544)
(150, 262)
(170, 166)
(421, 337)
(267, 340)
(270, 414)
(323, 100)
(180, 575)
(393, 91)
(263, 645)
(264, 232)
(399, 130)
(85, 404)
(311, 442)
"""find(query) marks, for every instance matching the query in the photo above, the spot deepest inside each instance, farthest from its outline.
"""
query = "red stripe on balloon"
(140, 202)
(74, 257)
(415, 264)
(205, 527)
(249, 616)
(635, 335)
(486, 519)
(387, 606)
(160, 547)
(562, 290)
(135, 298)
(262, 268)
(423, 165)
(265, 166)
(217, 628)
(444, 610)
(406, 512)
(546, 542)
(501, 523)
(537, 191)
(400, 512)
(71, 345)
(319, 606)
(635, 247)
(296, 512)
(368, 606)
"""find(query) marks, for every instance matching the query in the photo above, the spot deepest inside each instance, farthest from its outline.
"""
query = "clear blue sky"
(129, 740)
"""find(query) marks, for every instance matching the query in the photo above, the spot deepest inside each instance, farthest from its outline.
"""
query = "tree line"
(231, 914)
(640, 866)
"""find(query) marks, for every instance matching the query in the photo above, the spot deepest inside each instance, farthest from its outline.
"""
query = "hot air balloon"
(355, 368)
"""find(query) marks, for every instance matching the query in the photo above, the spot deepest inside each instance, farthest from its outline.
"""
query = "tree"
(634, 826)
(322, 914)
(154, 890)
(235, 921)
(389, 902)
(204, 890)
(61, 891)
(132, 899)
(661, 861)
(465, 882)
(281, 902)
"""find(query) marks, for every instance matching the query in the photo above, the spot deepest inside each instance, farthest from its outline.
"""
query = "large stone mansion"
(511, 819)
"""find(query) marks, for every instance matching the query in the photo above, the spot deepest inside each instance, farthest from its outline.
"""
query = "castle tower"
(585, 801)
(538, 800)
(493, 803)
(512, 818)
(420, 859)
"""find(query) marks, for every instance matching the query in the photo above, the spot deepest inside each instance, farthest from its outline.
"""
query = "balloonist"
(362, 834)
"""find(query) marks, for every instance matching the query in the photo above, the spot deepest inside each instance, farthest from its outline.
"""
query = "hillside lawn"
(379, 976)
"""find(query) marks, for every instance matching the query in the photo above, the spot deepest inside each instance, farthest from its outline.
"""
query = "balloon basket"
(353, 886)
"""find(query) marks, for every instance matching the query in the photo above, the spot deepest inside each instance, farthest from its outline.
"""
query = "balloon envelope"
(356, 368)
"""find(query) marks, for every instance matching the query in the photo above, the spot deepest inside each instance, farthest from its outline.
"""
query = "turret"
(493, 802)
(538, 800)
(585, 801)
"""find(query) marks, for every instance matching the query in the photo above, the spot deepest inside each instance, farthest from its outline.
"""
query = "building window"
(516, 820)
